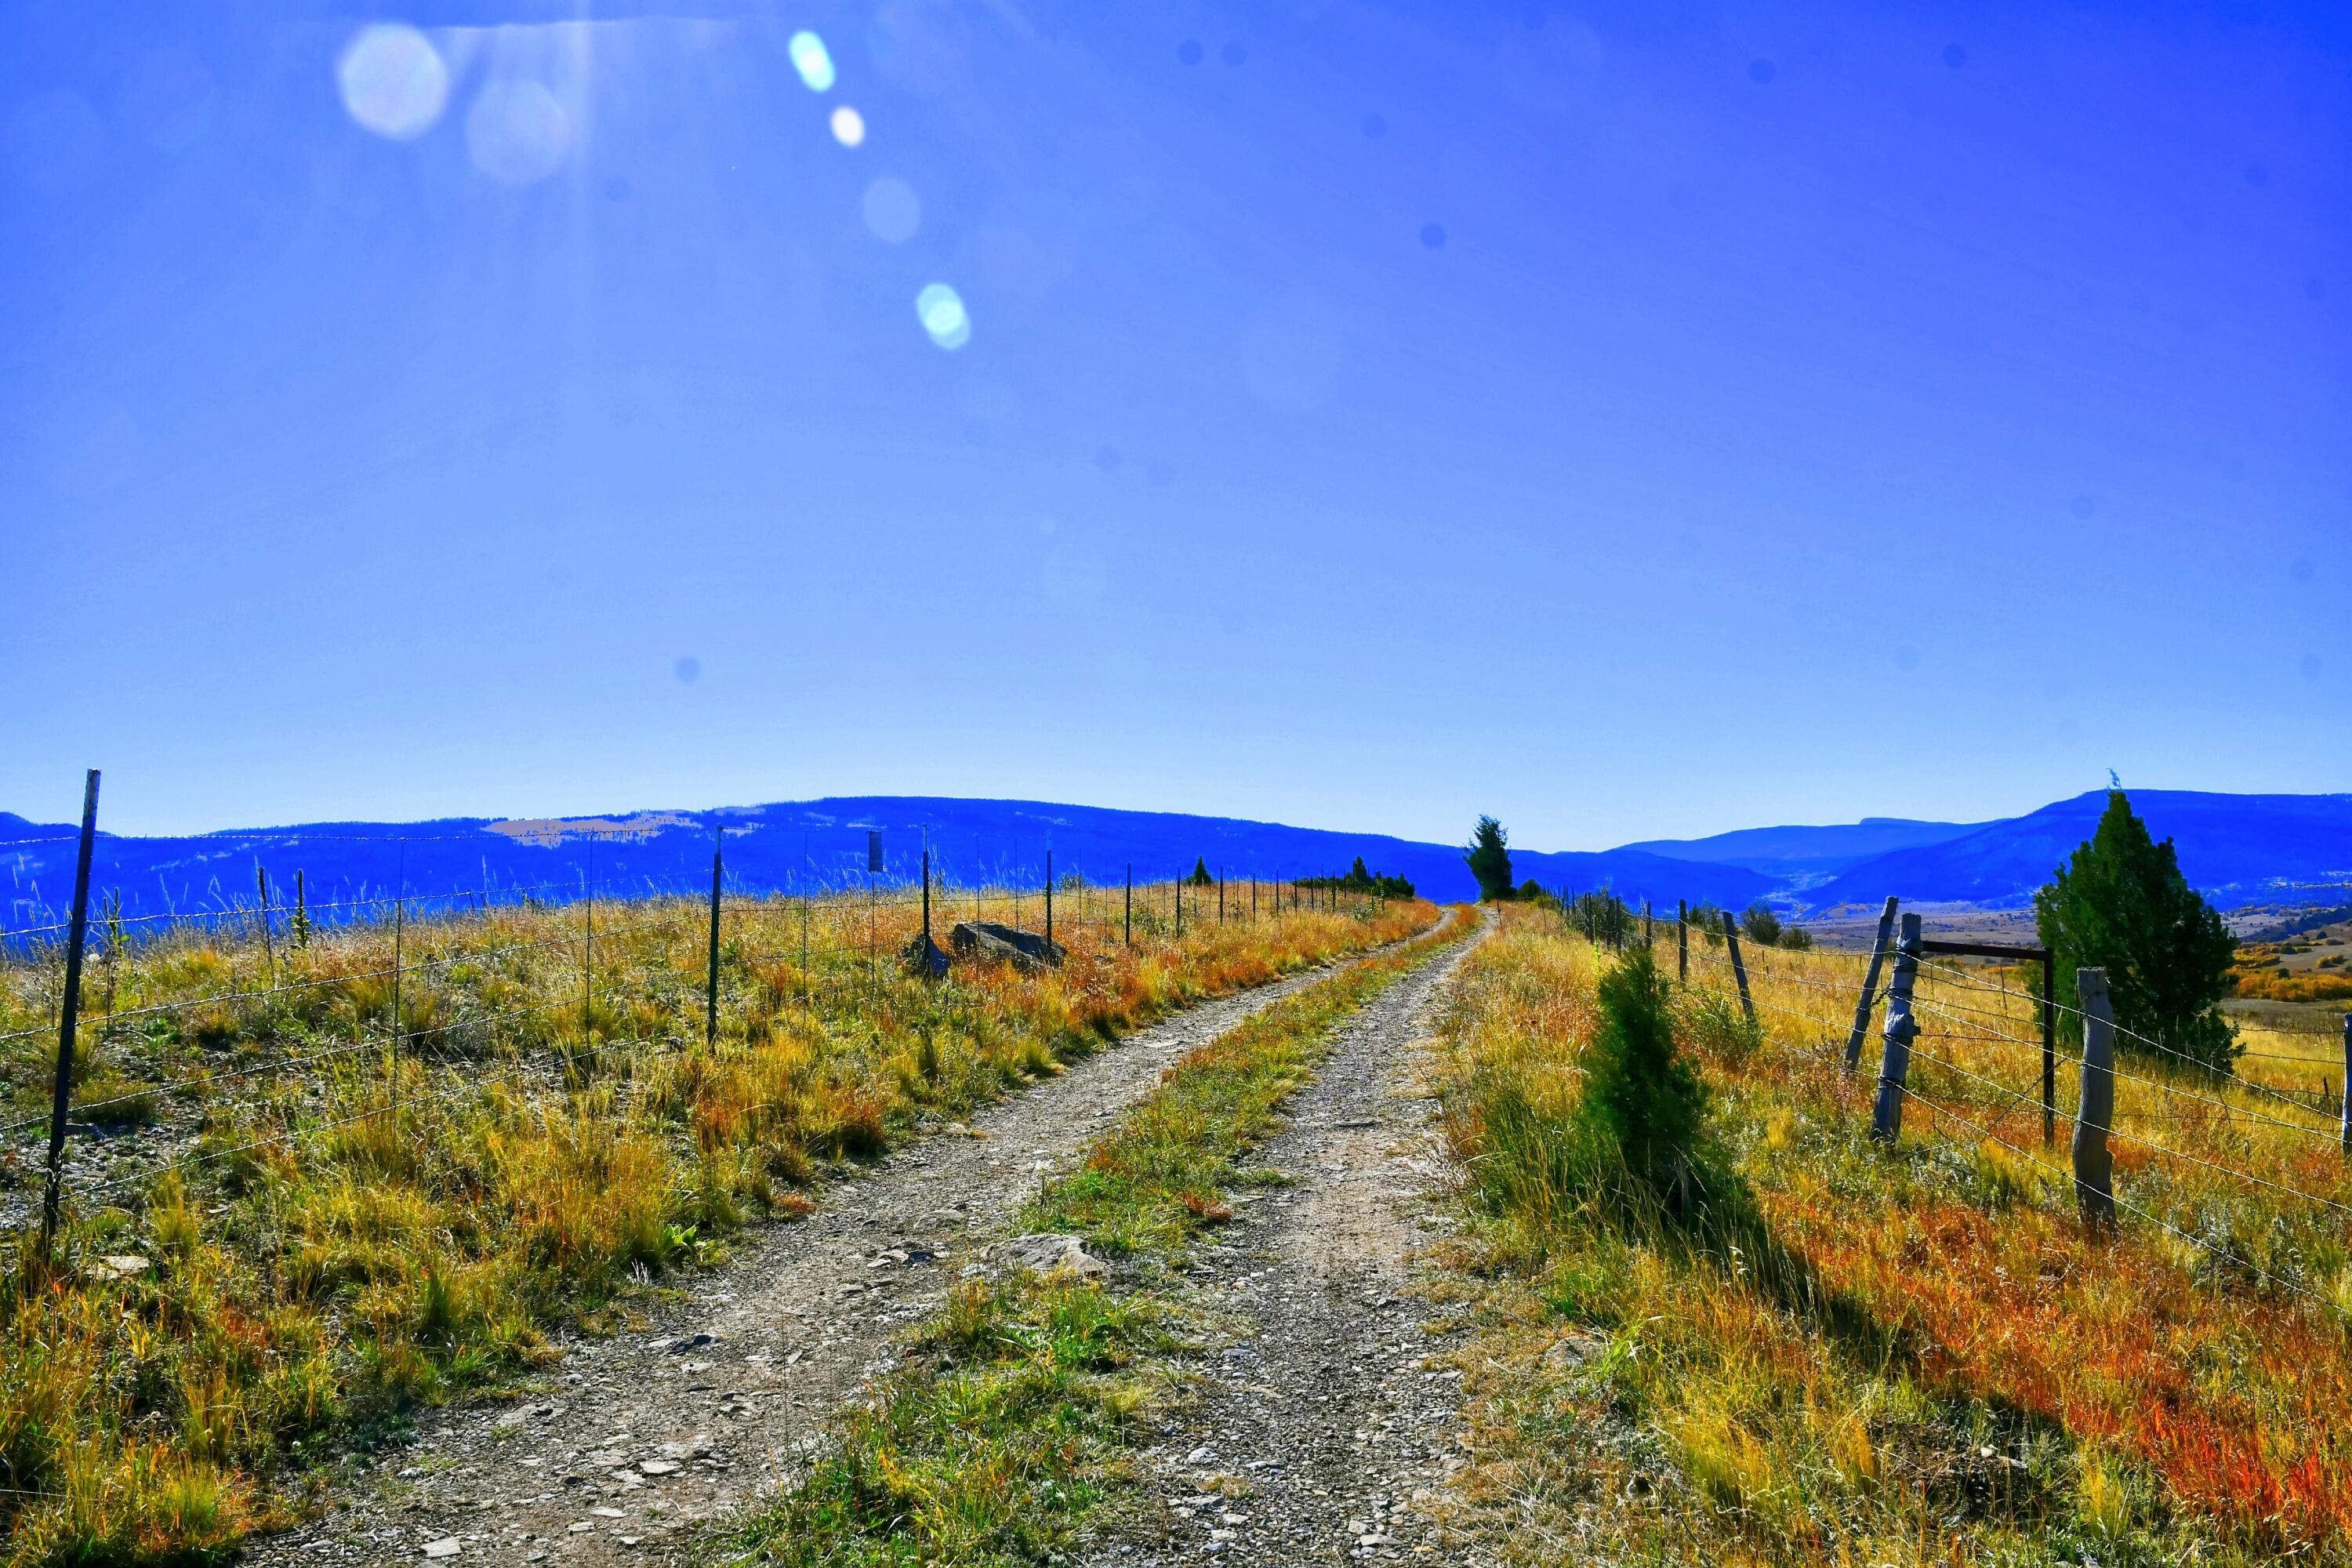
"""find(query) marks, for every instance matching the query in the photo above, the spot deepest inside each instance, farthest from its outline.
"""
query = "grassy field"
(1007, 1430)
(322, 1221)
(1902, 1355)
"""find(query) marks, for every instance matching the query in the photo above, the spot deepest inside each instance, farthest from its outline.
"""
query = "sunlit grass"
(358, 1226)
(1904, 1354)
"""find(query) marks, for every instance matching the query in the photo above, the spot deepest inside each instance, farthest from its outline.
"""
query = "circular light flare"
(891, 209)
(518, 132)
(393, 81)
(940, 309)
(848, 126)
(811, 58)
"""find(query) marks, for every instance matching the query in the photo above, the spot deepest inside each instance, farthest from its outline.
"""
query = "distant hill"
(1808, 852)
(2238, 849)
(786, 847)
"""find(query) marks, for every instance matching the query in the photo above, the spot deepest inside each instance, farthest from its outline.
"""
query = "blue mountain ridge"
(783, 847)
(2238, 849)
(1807, 851)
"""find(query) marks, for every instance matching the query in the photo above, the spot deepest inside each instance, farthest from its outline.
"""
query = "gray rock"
(1048, 1252)
(991, 940)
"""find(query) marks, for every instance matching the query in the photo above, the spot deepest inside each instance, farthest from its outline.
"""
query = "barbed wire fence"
(1967, 1029)
(336, 1011)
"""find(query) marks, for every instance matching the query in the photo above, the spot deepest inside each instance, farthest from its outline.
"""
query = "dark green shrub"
(1641, 1097)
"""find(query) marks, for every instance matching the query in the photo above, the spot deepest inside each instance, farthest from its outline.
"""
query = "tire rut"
(638, 1442)
(1320, 1429)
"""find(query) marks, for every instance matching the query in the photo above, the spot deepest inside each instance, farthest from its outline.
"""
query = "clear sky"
(1640, 420)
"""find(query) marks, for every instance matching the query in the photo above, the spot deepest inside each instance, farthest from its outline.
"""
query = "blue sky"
(1632, 421)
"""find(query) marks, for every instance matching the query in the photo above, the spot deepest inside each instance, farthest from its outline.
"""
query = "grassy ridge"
(1890, 1355)
(1006, 1429)
(353, 1235)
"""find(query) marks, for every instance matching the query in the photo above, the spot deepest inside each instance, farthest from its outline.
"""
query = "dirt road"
(640, 1438)
(1323, 1422)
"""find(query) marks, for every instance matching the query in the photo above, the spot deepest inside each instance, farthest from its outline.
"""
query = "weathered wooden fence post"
(1869, 998)
(1682, 940)
(710, 973)
(268, 947)
(1895, 1040)
(1738, 965)
(2094, 1162)
(2345, 1099)
(1049, 897)
(69, 1011)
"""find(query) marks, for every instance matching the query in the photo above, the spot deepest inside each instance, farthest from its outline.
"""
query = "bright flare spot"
(848, 126)
(941, 310)
(810, 59)
(393, 81)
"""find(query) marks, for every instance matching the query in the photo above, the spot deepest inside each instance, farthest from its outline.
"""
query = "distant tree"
(1395, 888)
(2121, 904)
(1490, 861)
(1201, 877)
(1796, 937)
(1358, 880)
(1532, 892)
(1763, 927)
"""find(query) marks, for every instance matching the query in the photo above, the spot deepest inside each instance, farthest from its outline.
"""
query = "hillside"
(2238, 849)
(1797, 853)
(781, 846)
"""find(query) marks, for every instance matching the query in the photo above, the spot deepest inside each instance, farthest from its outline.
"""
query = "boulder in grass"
(923, 956)
(993, 941)
(1048, 1253)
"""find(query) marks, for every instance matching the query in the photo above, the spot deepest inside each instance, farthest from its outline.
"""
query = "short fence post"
(1895, 1048)
(1049, 897)
(1869, 999)
(710, 976)
(268, 947)
(2094, 1161)
(1738, 965)
(1220, 895)
(1130, 903)
(926, 905)
(69, 1011)
(1179, 908)
(1682, 941)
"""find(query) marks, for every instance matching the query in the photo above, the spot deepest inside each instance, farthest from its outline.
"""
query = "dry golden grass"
(1903, 1355)
(337, 1230)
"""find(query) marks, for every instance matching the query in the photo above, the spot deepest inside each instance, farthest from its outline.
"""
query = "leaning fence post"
(69, 1011)
(2094, 1162)
(1869, 998)
(711, 978)
(1738, 966)
(1895, 1039)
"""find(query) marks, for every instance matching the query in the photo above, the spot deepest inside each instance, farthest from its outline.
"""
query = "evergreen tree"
(1640, 1094)
(1199, 877)
(2121, 904)
(1358, 877)
(1490, 861)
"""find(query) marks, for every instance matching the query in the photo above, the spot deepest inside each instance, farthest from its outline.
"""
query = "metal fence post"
(1868, 1001)
(2094, 1161)
(710, 979)
(1738, 965)
(1895, 1048)
(69, 1011)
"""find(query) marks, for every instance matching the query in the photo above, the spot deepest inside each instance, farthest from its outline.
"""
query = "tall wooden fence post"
(710, 975)
(1682, 940)
(69, 1012)
(1868, 1000)
(1738, 965)
(1049, 897)
(2345, 1110)
(1130, 903)
(1895, 1040)
(2094, 1161)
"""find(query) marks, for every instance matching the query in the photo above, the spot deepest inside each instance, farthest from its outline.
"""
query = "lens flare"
(940, 309)
(848, 126)
(891, 211)
(810, 58)
(516, 132)
(393, 81)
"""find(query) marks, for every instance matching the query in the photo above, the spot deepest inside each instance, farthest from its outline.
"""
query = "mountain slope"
(2237, 848)
(1801, 851)
(784, 846)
